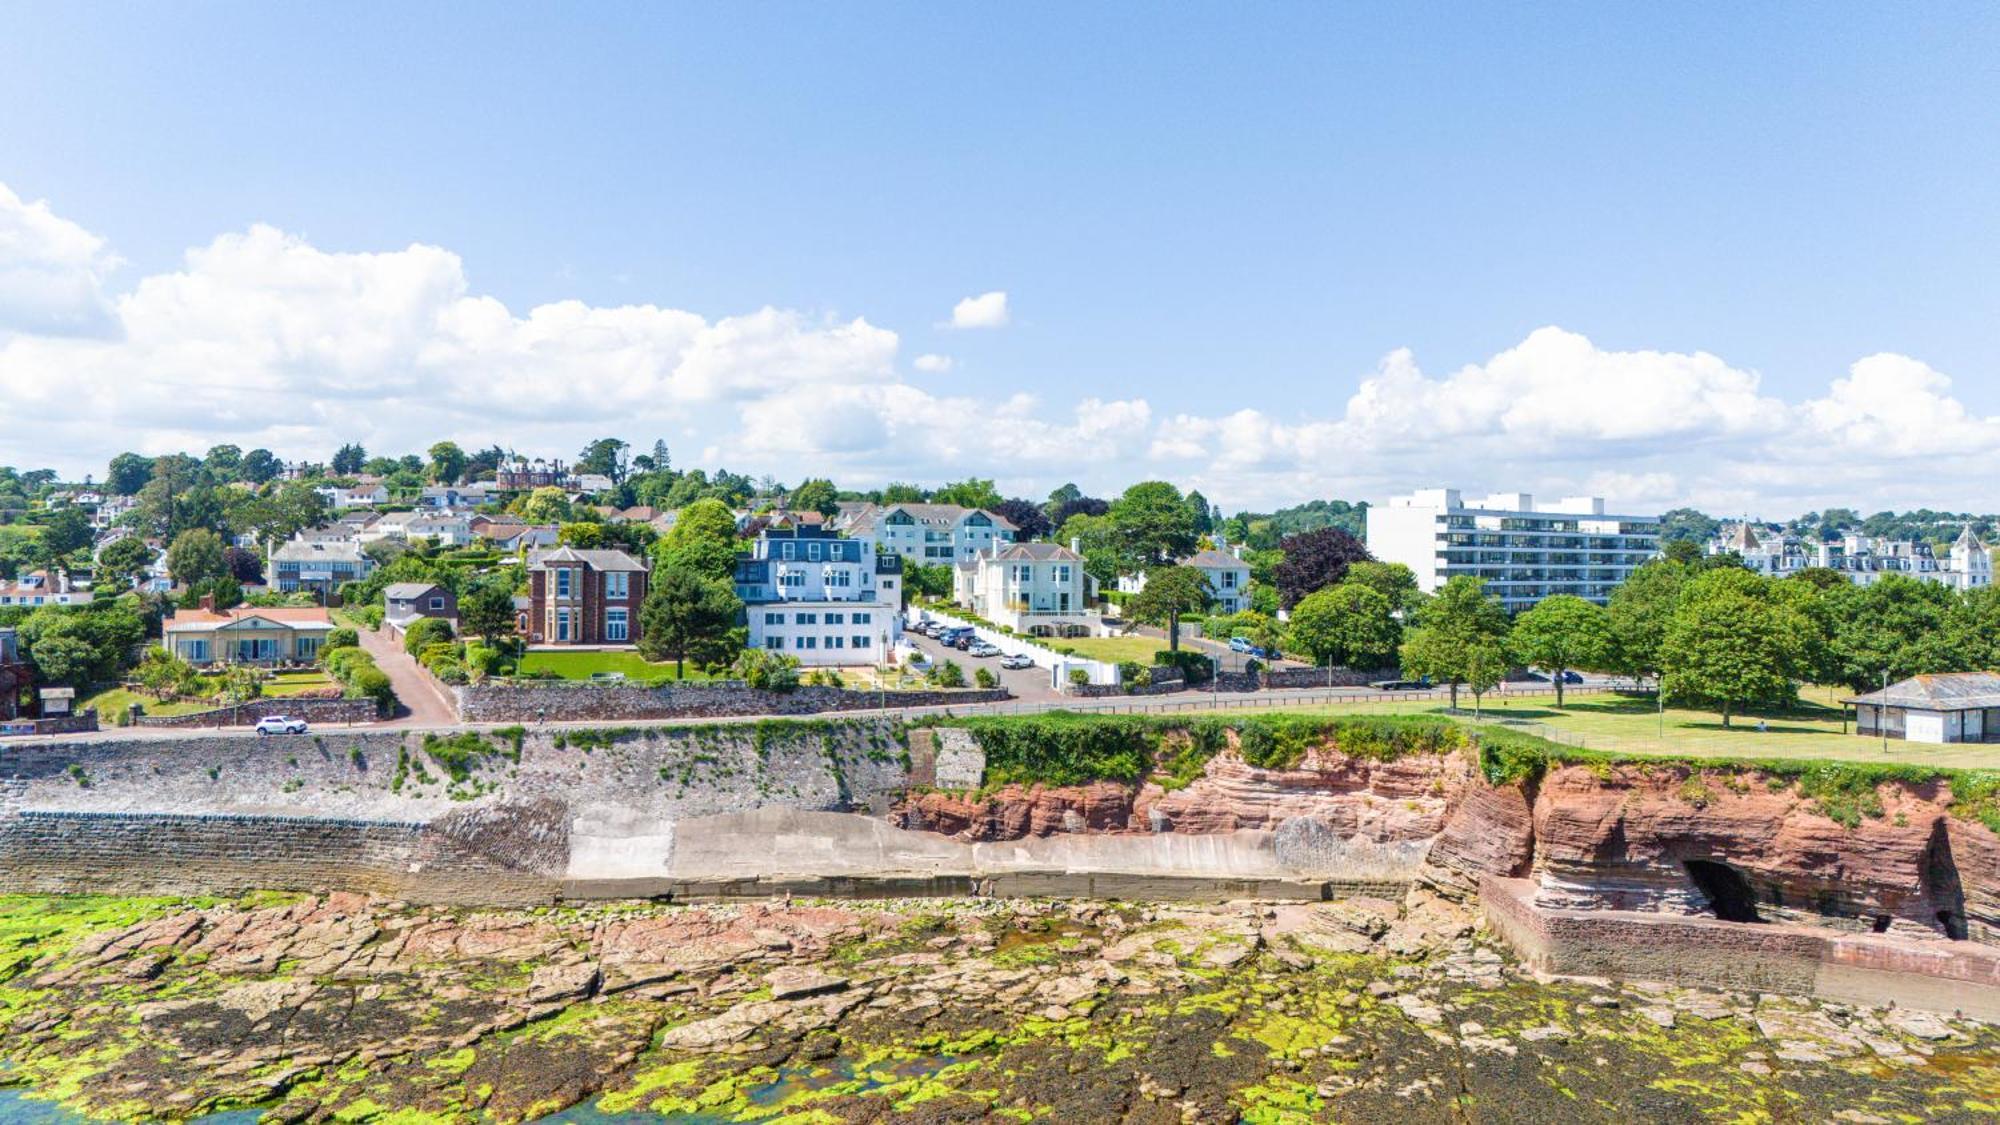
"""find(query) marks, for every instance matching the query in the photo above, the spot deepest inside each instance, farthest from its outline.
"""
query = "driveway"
(1028, 684)
(424, 703)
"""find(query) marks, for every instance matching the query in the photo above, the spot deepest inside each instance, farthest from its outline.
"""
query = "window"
(1229, 580)
(617, 585)
(615, 624)
(1024, 573)
(563, 582)
(788, 550)
(808, 618)
(860, 640)
(808, 642)
(791, 578)
(774, 642)
(862, 618)
(437, 603)
(562, 625)
(833, 642)
(812, 552)
(840, 578)
(835, 618)
(306, 647)
(774, 619)
(1062, 573)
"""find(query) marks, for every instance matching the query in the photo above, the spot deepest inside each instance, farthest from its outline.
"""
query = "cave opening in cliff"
(1728, 892)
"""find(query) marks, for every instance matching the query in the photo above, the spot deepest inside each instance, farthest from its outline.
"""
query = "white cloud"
(260, 338)
(52, 271)
(988, 310)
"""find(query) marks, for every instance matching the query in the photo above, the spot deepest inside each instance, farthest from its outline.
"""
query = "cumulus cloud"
(261, 338)
(52, 271)
(988, 310)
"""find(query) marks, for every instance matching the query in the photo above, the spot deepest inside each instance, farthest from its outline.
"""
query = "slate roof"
(1943, 691)
(407, 591)
(931, 515)
(595, 560)
(1215, 560)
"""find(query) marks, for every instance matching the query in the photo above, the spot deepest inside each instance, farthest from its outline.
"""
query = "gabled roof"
(605, 559)
(1744, 539)
(318, 550)
(1967, 539)
(1215, 560)
(408, 591)
(1941, 691)
(201, 620)
(1035, 552)
(867, 516)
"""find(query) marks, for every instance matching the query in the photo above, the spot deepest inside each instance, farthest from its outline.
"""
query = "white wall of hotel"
(1058, 664)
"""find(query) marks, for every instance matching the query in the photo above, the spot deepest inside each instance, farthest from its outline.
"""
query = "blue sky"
(1209, 210)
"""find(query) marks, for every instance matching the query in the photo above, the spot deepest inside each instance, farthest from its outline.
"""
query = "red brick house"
(583, 597)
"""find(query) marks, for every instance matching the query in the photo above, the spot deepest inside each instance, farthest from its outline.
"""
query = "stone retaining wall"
(525, 701)
(61, 724)
(1320, 677)
(244, 714)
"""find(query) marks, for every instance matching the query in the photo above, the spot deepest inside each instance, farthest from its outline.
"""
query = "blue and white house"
(824, 599)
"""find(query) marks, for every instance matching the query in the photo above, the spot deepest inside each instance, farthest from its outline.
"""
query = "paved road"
(423, 701)
(1029, 685)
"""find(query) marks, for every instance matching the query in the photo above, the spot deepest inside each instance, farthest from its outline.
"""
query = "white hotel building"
(1523, 552)
(820, 597)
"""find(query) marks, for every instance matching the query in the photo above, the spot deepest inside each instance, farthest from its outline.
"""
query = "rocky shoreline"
(337, 1007)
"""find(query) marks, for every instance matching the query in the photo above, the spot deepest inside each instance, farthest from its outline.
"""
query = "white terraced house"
(931, 534)
(820, 597)
(1862, 559)
(1524, 553)
(1038, 589)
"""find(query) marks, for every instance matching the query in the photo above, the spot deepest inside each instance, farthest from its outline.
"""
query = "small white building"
(1036, 589)
(820, 597)
(1947, 707)
(360, 496)
(447, 528)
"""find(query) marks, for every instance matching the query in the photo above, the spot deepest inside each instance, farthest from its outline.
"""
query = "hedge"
(424, 632)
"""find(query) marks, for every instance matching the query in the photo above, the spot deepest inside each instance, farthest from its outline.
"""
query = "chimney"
(1076, 543)
(208, 603)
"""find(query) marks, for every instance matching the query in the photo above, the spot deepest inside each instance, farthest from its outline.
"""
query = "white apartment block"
(1524, 553)
(1036, 589)
(1863, 559)
(824, 599)
(931, 534)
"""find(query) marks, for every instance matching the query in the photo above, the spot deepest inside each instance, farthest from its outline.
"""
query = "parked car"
(1572, 677)
(1399, 685)
(280, 724)
(1017, 660)
(1242, 644)
(964, 641)
(983, 648)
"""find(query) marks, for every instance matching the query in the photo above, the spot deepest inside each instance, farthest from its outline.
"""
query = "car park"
(280, 724)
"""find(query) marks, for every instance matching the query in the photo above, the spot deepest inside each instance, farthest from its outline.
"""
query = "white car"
(1017, 661)
(280, 724)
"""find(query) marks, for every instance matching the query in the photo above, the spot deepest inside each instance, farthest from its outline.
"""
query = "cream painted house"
(246, 634)
(1037, 589)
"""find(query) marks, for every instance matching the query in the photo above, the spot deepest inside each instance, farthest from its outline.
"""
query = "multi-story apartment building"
(318, 565)
(930, 534)
(820, 597)
(583, 597)
(1524, 553)
(1863, 559)
(1039, 589)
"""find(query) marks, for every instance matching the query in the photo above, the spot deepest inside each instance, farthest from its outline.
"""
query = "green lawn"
(297, 683)
(1629, 725)
(112, 702)
(1111, 650)
(581, 665)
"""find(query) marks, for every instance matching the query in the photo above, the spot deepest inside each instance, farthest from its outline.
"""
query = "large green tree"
(1897, 626)
(196, 556)
(1731, 646)
(120, 565)
(1638, 614)
(128, 474)
(689, 617)
(816, 494)
(972, 492)
(1154, 525)
(1170, 593)
(1563, 632)
(1460, 633)
(487, 610)
(1392, 580)
(702, 540)
(1351, 624)
(606, 456)
(447, 462)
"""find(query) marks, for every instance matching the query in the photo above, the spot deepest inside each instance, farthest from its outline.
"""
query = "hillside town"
(184, 585)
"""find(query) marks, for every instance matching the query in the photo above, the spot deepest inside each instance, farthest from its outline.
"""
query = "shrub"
(370, 682)
(1193, 665)
(1078, 677)
(1134, 674)
(369, 615)
(985, 678)
(948, 675)
(342, 637)
(449, 669)
(424, 632)
(767, 670)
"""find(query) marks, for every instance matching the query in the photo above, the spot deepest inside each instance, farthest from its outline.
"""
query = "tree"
(766, 670)
(128, 474)
(65, 660)
(349, 458)
(123, 562)
(1204, 519)
(1392, 580)
(1153, 523)
(971, 492)
(1098, 538)
(930, 580)
(195, 556)
(584, 536)
(702, 540)
(487, 610)
(815, 494)
(547, 504)
(1686, 552)
(1562, 632)
(1730, 646)
(1899, 625)
(1315, 560)
(607, 457)
(1028, 518)
(899, 492)
(1350, 625)
(259, 465)
(1170, 592)
(68, 529)
(447, 462)
(1456, 630)
(1638, 614)
(244, 566)
(1487, 661)
(165, 675)
(241, 684)
(687, 616)
(223, 462)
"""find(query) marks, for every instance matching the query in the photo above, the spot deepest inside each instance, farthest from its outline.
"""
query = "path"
(424, 701)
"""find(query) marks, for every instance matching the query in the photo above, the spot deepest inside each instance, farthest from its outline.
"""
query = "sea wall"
(524, 701)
